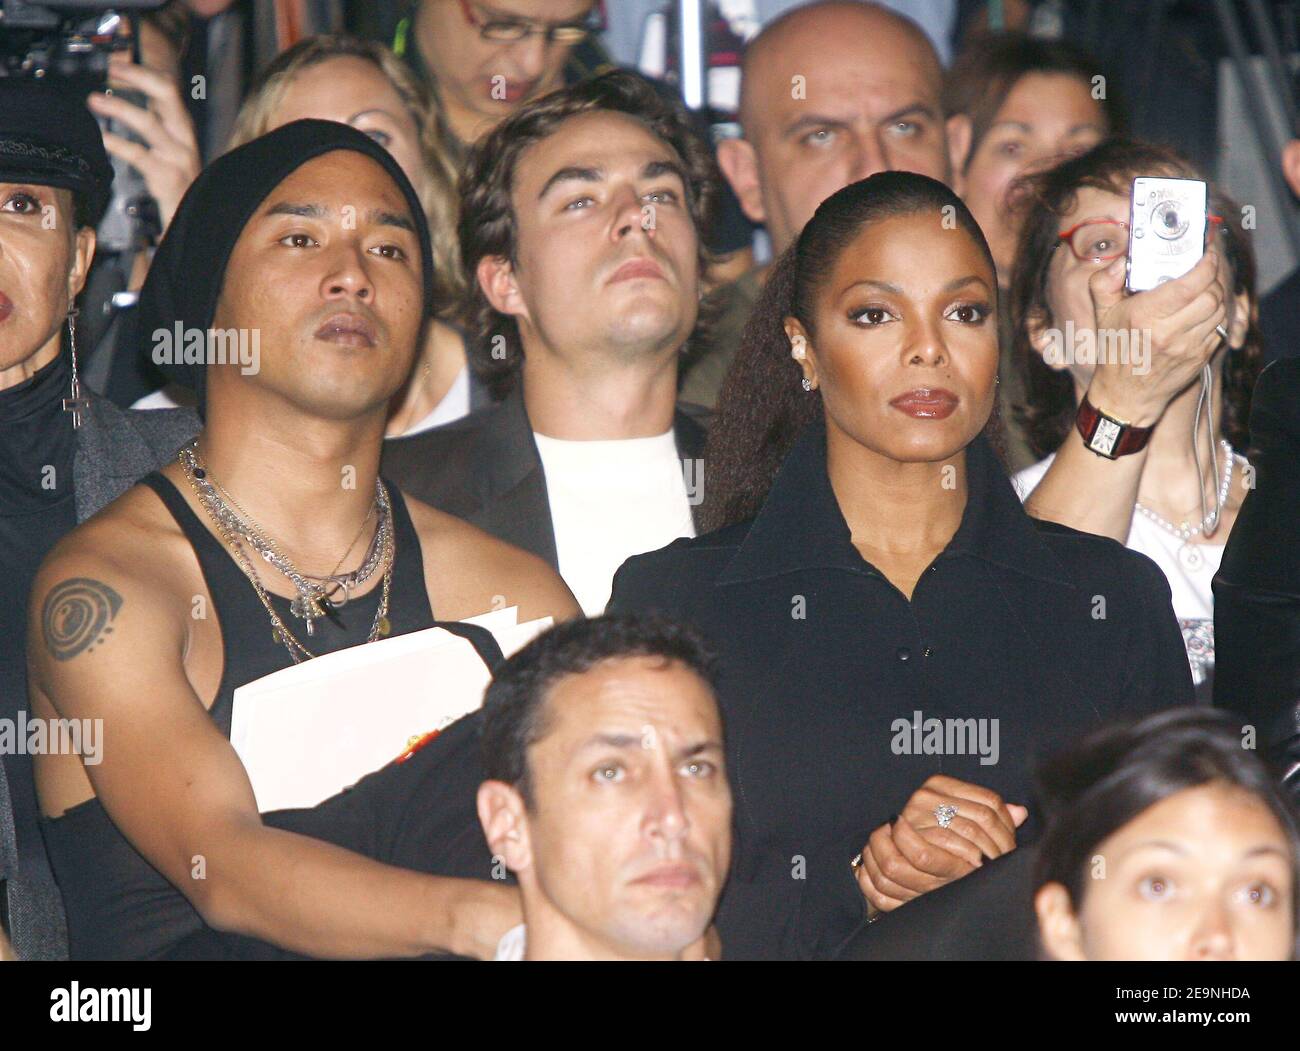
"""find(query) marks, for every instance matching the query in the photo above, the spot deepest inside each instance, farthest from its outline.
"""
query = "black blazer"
(485, 468)
(1257, 588)
(1036, 629)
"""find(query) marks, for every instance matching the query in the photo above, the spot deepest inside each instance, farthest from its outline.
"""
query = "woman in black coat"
(897, 637)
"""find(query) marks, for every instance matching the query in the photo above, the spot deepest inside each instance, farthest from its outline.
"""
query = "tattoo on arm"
(78, 615)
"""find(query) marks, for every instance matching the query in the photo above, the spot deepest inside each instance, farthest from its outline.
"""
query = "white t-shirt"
(454, 404)
(1189, 568)
(611, 500)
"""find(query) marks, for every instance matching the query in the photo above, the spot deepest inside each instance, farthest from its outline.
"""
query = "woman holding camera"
(1100, 367)
(879, 595)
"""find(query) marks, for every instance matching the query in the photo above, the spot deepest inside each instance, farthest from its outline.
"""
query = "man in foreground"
(607, 795)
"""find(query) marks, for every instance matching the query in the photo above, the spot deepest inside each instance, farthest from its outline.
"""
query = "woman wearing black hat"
(64, 452)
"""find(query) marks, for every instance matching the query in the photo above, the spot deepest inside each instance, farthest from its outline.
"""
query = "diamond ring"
(944, 813)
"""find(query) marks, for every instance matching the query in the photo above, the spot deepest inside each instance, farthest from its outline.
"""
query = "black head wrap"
(49, 138)
(189, 268)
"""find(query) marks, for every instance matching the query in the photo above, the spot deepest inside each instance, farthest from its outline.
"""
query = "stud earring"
(807, 384)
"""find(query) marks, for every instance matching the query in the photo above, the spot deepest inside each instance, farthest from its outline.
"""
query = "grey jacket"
(117, 447)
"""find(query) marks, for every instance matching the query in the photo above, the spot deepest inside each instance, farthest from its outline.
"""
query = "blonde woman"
(361, 83)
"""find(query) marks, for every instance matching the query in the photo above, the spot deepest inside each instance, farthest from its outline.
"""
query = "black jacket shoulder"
(666, 579)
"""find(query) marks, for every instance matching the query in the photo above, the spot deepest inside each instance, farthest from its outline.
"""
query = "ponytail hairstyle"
(762, 407)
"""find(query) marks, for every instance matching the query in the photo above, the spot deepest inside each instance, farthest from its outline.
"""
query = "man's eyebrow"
(699, 748)
(383, 217)
(380, 216)
(621, 741)
(512, 16)
(307, 211)
(657, 168)
(813, 120)
(916, 109)
(571, 173)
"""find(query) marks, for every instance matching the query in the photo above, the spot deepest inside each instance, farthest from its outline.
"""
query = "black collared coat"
(833, 682)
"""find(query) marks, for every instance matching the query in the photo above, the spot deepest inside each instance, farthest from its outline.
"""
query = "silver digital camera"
(1166, 230)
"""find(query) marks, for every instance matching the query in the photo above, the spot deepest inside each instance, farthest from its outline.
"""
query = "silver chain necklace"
(337, 587)
(317, 596)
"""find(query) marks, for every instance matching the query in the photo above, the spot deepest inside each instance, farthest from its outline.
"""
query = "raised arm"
(1090, 492)
(104, 645)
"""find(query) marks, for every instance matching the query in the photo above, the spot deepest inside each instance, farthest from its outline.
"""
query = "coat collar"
(800, 525)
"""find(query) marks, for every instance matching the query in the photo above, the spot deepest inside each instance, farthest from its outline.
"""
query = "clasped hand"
(913, 855)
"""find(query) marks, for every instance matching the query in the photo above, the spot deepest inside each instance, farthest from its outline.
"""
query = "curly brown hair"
(487, 217)
(1047, 197)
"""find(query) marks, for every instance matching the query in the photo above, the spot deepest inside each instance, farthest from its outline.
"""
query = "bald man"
(830, 93)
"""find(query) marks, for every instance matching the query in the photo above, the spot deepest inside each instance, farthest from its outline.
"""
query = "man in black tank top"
(290, 290)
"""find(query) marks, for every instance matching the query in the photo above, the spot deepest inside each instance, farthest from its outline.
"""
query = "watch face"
(1104, 439)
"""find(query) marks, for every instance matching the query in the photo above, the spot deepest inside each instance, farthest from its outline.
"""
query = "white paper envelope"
(307, 732)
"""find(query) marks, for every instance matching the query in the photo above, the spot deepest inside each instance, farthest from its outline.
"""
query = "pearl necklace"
(1188, 553)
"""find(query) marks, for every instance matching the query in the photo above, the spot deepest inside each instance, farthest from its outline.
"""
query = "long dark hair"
(1046, 198)
(1099, 786)
(762, 407)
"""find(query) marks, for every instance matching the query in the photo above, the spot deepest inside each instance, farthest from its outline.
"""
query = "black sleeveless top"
(118, 905)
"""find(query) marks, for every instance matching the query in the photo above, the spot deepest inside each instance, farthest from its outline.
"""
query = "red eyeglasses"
(1101, 240)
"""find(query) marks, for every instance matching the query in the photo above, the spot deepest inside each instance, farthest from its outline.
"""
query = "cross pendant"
(75, 405)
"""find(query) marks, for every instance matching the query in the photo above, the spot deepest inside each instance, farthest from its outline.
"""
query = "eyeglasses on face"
(504, 30)
(1100, 240)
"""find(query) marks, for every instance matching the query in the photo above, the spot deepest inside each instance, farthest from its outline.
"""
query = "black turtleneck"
(37, 506)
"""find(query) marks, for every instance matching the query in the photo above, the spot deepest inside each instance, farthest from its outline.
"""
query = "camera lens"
(1167, 221)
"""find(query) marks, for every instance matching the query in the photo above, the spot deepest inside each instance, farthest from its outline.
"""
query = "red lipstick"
(6, 307)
